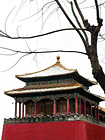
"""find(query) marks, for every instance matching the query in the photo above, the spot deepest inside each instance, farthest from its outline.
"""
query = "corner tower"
(54, 103)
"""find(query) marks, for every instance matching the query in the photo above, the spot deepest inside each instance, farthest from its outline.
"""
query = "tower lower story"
(72, 130)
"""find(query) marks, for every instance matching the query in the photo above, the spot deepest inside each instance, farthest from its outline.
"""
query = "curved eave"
(30, 91)
(84, 80)
(75, 75)
(25, 78)
(44, 78)
(88, 94)
(56, 90)
(101, 109)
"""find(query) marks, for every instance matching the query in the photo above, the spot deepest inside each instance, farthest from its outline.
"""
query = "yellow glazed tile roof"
(56, 69)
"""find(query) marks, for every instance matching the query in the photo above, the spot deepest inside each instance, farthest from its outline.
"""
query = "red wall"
(73, 130)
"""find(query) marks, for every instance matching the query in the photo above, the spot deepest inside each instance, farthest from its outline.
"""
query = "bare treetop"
(25, 22)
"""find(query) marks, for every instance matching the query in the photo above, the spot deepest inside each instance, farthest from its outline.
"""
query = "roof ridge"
(54, 65)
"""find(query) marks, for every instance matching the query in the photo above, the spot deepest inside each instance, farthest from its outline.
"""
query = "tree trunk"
(92, 53)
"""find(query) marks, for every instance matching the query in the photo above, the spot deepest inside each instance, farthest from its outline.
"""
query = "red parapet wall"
(73, 130)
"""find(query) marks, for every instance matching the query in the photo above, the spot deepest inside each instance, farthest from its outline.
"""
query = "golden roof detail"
(56, 69)
(58, 57)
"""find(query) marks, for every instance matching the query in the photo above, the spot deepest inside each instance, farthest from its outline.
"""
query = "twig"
(39, 52)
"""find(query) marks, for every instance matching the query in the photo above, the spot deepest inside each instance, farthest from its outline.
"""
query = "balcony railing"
(57, 118)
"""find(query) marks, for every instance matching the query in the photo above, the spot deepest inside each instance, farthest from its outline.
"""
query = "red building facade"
(54, 97)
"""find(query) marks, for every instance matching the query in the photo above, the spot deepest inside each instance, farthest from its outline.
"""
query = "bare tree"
(82, 27)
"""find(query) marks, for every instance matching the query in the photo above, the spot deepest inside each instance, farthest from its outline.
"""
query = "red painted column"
(97, 112)
(68, 106)
(25, 111)
(54, 107)
(35, 108)
(80, 106)
(22, 108)
(15, 108)
(76, 105)
(19, 109)
(91, 110)
(84, 107)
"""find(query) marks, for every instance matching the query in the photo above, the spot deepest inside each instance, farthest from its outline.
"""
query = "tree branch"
(60, 30)
(79, 22)
(70, 21)
(39, 52)
(79, 11)
(99, 20)
(93, 6)
(97, 10)
(85, 21)
(15, 63)
(7, 19)
(51, 3)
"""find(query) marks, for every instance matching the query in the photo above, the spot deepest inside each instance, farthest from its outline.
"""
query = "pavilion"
(54, 97)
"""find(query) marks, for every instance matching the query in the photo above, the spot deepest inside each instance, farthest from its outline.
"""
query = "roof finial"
(58, 57)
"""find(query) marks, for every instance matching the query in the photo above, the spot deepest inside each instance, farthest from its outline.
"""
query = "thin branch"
(28, 45)
(101, 36)
(99, 20)
(70, 21)
(8, 54)
(52, 12)
(82, 2)
(22, 5)
(43, 12)
(44, 21)
(38, 11)
(15, 63)
(15, 51)
(79, 22)
(61, 51)
(79, 11)
(7, 19)
(17, 29)
(64, 12)
(3, 34)
(37, 5)
(97, 11)
(93, 6)
(85, 22)
(60, 30)
(59, 19)
(39, 52)
(19, 9)
(35, 52)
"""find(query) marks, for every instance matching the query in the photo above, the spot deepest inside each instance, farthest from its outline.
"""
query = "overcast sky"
(12, 15)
